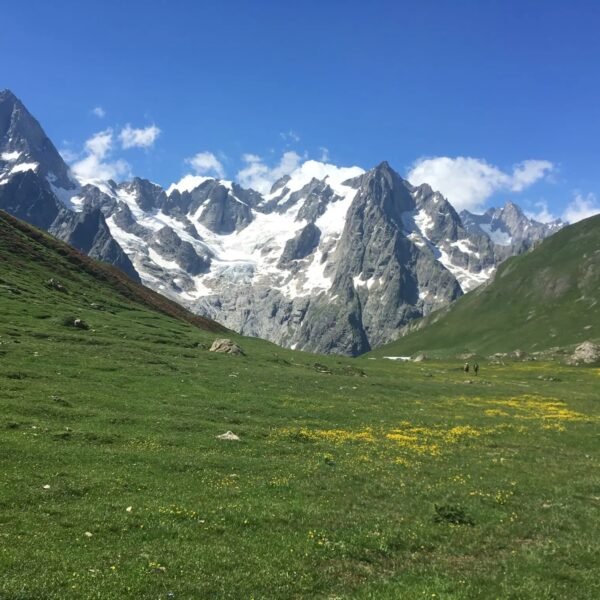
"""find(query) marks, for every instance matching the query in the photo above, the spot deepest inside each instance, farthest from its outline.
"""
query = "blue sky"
(475, 87)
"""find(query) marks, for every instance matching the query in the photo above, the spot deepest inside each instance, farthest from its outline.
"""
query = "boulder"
(228, 436)
(586, 353)
(54, 284)
(225, 345)
(80, 324)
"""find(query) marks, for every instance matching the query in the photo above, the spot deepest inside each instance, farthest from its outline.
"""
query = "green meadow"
(352, 478)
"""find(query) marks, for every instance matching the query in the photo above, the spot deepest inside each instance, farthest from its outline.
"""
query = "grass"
(352, 479)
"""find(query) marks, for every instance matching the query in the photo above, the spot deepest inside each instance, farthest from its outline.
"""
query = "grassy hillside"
(38, 255)
(352, 478)
(546, 298)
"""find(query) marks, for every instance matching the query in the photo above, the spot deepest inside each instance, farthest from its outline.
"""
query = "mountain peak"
(384, 164)
(22, 137)
(384, 169)
(510, 206)
(6, 95)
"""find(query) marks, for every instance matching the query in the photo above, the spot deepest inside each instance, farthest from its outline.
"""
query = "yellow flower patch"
(538, 407)
(335, 436)
(413, 442)
(421, 440)
(495, 412)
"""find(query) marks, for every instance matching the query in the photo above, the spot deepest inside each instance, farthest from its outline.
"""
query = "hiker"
(476, 368)
(466, 368)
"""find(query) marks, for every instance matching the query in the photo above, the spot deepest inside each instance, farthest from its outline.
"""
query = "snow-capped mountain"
(331, 260)
(509, 227)
(35, 182)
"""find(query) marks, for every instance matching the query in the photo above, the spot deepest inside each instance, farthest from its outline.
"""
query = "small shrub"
(452, 514)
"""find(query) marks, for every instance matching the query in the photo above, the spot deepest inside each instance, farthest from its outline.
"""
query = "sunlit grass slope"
(352, 478)
(546, 298)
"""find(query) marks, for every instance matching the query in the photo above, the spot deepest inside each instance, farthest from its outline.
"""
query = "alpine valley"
(331, 260)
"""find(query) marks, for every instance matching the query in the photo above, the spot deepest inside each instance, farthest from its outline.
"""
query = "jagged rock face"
(380, 270)
(221, 208)
(331, 260)
(23, 142)
(300, 246)
(87, 231)
(171, 247)
(25, 196)
(151, 196)
(35, 182)
(124, 219)
(509, 228)
(222, 212)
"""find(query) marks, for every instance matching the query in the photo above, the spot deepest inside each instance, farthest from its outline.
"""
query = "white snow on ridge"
(20, 168)
(251, 256)
(187, 183)
(423, 221)
(129, 242)
(315, 276)
(70, 198)
(254, 251)
(311, 281)
(312, 169)
(260, 243)
(141, 217)
(10, 156)
(332, 221)
(368, 283)
(467, 279)
(464, 246)
(157, 259)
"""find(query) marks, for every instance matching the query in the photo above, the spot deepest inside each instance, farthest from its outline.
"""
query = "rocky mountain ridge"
(34, 180)
(545, 303)
(509, 227)
(331, 260)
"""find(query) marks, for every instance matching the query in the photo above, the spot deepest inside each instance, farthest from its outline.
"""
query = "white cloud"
(528, 172)
(99, 112)
(91, 168)
(100, 143)
(93, 165)
(206, 163)
(290, 136)
(260, 177)
(543, 215)
(324, 154)
(469, 182)
(68, 155)
(581, 207)
(138, 138)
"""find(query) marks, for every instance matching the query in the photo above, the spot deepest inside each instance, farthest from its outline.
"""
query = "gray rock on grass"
(226, 346)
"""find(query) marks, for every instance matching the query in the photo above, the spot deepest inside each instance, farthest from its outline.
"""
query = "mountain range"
(539, 302)
(332, 260)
